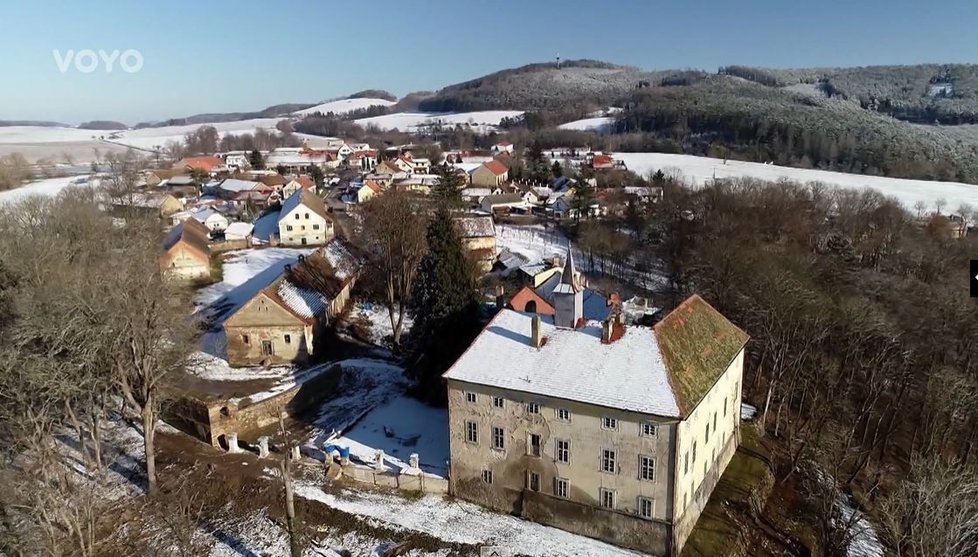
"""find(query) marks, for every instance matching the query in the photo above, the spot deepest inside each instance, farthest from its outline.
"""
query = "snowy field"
(46, 188)
(381, 331)
(461, 522)
(699, 170)
(482, 121)
(343, 106)
(80, 144)
(598, 124)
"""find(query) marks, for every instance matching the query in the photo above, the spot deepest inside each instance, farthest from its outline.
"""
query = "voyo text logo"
(88, 60)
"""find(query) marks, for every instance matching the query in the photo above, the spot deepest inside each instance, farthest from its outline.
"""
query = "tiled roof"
(475, 227)
(697, 344)
(307, 199)
(495, 167)
(199, 163)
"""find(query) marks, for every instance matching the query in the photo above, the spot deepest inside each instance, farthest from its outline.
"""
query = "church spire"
(569, 274)
(568, 295)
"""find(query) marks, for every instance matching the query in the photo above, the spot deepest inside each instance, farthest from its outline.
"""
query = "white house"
(304, 221)
(213, 220)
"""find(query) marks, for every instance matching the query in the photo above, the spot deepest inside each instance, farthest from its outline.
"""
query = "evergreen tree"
(557, 170)
(448, 189)
(255, 160)
(317, 176)
(446, 305)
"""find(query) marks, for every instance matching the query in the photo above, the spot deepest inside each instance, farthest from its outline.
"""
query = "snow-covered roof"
(573, 364)
(475, 227)
(235, 185)
(239, 229)
(305, 303)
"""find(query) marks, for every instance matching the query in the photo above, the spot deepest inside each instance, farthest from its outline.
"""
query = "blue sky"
(221, 56)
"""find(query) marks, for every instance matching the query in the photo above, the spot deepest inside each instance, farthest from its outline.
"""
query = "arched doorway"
(531, 306)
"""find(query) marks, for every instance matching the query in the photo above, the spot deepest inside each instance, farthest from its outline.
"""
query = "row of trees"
(863, 351)
(86, 324)
(14, 171)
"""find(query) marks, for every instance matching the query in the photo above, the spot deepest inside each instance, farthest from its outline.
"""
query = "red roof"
(199, 163)
(602, 160)
(306, 182)
(526, 295)
(496, 167)
(373, 185)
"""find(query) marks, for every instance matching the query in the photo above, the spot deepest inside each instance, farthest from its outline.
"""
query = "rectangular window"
(609, 461)
(288, 227)
(646, 507)
(649, 429)
(297, 216)
(532, 408)
(533, 445)
(561, 487)
(315, 227)
(646, 468)
(694, 452)
(497, 401)
(487, 476)
(707, 440)
(609, 423)
(288, 339)
(245, 339)
(714, 422)
(498, 438)
(686, 465)
(471, 432)
(266, 348)
(607, 497)
(469, 397)
(532, 481)
(307, 215)
(563, 414)
(724, 407)
(562, 451)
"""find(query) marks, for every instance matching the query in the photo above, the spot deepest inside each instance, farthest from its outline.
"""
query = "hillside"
(540, 87)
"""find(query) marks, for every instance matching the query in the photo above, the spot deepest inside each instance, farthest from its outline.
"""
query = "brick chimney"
(536, 332)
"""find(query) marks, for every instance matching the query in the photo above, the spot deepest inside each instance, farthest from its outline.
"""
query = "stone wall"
(423, 483)
(614, 527)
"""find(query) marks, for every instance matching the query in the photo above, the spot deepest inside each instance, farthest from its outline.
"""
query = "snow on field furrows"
(482, 121)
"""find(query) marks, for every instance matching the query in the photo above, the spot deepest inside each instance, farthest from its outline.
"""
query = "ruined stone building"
(618, 433)
(186, 252)
(280, 324)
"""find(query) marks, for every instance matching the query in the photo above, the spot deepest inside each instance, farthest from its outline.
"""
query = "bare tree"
(394, 233)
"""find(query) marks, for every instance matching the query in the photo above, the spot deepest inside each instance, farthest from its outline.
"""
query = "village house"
(273, 180)
(238, 231)
(299, 160)
(368, 191)
(208, 164)
(491, 174)
(502, 203)
(365, 161)
(538, 195)
(186, 254)
(304, 221)
(474, 196)
(614, 432)
(282, 323)
(502, 147)
(236, 160)
(388, 167)
(295, 184)
(212, 219)
(180, 186)
(478, 235)
(157, 205)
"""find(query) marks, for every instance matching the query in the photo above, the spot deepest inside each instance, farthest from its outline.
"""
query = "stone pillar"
(295, 452)
(263, 446)
(232, 437)
(413, 461)
(379, 461)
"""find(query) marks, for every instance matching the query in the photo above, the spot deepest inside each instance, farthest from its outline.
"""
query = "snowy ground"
(47, 188)
(539, 244)
(865, 542)
(381, 331)
(460, 522)
(699, 170)
(343, 106)
(373, 412)
(747, 412)
(598, 124)
(482, 121)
